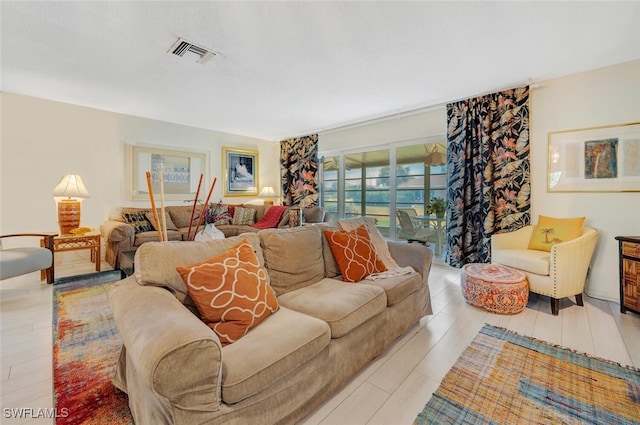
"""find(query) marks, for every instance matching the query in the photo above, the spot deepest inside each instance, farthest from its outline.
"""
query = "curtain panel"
(299, 171)
(488, 174)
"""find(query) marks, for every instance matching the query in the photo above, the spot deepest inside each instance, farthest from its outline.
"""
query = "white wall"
(600, 97)
(43, 140)
(604, 96)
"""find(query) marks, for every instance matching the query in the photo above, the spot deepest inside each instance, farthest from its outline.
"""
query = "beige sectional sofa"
(176, 371)
(119, 236)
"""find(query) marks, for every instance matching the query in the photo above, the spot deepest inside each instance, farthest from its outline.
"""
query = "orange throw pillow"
(230, 291)
(550, 231)
(354, 253)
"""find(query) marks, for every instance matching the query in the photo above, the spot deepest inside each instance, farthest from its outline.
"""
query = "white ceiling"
(293, 68)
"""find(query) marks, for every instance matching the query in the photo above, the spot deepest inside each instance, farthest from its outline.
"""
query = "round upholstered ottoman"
(496, 288)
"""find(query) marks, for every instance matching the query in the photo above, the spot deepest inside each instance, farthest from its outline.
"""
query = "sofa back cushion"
(331, 268)
(156, 262)
(293, 257)
(180, 215)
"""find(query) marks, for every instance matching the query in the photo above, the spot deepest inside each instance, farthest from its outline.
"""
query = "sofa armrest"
(116, 231)
(415, 255)
(173, 353)
(518, 239)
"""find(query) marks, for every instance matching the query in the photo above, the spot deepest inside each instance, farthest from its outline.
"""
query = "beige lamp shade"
(436, 158)
(71, 189)
(268, 192)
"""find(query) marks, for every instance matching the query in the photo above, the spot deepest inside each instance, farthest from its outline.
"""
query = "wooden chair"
(22, 260)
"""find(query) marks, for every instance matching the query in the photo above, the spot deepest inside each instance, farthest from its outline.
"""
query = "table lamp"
(268, 192)
(69, 190)
(435, 157)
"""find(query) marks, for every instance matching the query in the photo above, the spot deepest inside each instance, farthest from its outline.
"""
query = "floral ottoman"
(495, 288)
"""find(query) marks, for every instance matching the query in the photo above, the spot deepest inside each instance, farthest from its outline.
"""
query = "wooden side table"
(629, 273)
(90, 241)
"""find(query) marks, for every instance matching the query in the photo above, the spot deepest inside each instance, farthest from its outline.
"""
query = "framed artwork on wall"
(240, 170)
(595, 159)
(180, 170)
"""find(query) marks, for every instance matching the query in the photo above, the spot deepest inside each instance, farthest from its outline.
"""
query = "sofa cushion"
(397, 288)
(550, 231)
(156, 262)
(182, 214)
(293, 257)
(285, 341)
(152, 221)
(243, 215)
(313, 215)
(376, 237)
(354, 253)
(220, 214)
(230, 291)
(527, 260)
(342, 305)
(331, 268)
(152, 236)
(260, 209)
(137, 220)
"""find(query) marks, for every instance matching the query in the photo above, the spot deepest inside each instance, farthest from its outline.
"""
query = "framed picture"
(180, 172)
(240, 170)
(596, 159)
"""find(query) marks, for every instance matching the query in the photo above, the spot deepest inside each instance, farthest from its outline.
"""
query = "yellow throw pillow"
(550, 231)
(354, 253)
(230, 291)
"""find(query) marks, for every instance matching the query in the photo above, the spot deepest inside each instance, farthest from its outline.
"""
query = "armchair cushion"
(528, 260)
(25, 259)
(19, 261)
(551, 231)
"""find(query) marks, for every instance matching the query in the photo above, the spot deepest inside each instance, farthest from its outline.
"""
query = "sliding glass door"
(377, 183)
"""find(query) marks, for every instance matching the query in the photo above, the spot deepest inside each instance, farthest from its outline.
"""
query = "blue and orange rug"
(85, 352)
(506, 378)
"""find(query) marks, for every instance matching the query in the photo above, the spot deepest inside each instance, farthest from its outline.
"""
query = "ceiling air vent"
(182, 46)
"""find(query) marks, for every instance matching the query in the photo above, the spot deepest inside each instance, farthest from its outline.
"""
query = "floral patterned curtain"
(488, 175)
(299, 171)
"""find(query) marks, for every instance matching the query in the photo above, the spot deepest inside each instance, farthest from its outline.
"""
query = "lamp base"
(68, 215)
(268, 201)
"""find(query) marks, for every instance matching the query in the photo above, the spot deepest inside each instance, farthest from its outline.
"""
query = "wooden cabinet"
(629, 273)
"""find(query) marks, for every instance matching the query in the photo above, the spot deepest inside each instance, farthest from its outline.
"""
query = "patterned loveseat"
(128, 227)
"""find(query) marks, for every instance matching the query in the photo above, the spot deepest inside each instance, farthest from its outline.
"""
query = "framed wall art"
(240, 170)
(180, 170)
(596, 159)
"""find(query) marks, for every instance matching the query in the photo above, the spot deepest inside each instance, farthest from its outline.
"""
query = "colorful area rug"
(506, 378)
(85, 352)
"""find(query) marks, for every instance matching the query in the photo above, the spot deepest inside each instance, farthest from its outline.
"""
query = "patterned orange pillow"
(230, 291)
(354, 253)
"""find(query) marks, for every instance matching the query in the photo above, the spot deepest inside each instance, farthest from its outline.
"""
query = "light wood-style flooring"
(391, 390)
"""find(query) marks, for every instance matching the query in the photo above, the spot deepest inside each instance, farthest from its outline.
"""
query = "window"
(356, 184)
(329, 185)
